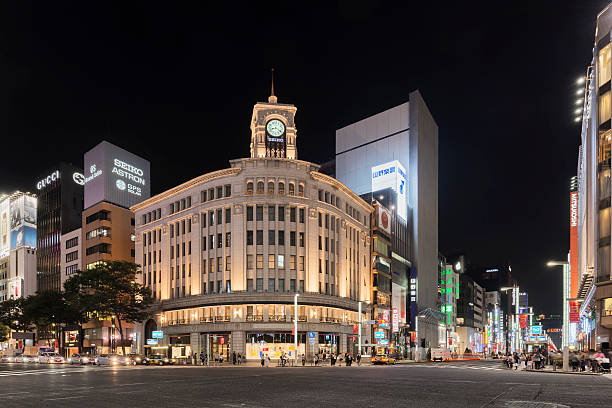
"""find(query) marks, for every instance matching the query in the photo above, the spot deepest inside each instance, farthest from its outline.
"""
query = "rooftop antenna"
(272, 98)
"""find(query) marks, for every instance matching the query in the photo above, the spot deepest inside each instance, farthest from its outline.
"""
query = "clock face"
(275, 128)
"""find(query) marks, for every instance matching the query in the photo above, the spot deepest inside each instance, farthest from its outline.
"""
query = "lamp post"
(295, 330)
(566, 295)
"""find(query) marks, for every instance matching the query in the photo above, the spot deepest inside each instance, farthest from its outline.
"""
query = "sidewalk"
(549, 369)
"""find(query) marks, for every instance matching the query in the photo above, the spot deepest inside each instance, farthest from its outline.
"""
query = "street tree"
(14, 314)
(5, 332)
(49, 308)
(110, 290)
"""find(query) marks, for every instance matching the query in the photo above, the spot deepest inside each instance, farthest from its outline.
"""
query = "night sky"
(177, 86)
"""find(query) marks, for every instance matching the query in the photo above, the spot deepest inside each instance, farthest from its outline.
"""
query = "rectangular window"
(281, 237)
(327, 221)
(259, 261)
(211, 286)
(249, 285)
(203, 244)
(219, 240)
(220, 192)
(292, 238)
(292, 285)
(301, 286)
(211, 193)
(301, 265)
(219, 264)
(189, 249)
(271, 237)
(220, 216)
(72, 256)
(320, 220)
(219, 286)
(172, 252)
(228, 215)
(271, 213)
(271, 285)
(326, 266)
(228, 239)
(320, 266)
(211, 218)
(203, 200)
(211, 265)
(604, 65)
(72, 242)
(320, 242)
(183, 248)
(250, 237)
(301, 240)
(250, 213)
(604, 107)
(228, 190)
(203, 287)
(292, 262)
(203, 220)
(292, 214)
(281, 285)
(301, 215)
(281, 213)
(326, 243)
(260, 284)
(211, 242)
(249, 261)
(259, 237)
(228, 263)
(281, 262)
(271, 261)
(259, 213)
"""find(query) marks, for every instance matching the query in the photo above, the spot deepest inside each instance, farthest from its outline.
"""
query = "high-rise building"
(227, 253)
(393, 157)
(592, 215)
(60, 203)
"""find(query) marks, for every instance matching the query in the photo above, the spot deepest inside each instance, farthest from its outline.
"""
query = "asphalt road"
(459, 384)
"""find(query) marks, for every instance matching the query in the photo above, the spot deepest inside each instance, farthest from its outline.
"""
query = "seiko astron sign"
(115, 175)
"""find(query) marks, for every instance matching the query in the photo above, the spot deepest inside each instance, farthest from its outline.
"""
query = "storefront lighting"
(577, 119)
(579, 101)
(237, 313)
(579, 91)
(580, 81)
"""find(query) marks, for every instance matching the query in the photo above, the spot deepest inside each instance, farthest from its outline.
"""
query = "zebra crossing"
(63, 370)
(486, 367)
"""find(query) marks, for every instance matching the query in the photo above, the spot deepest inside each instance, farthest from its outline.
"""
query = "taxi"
(382, 359)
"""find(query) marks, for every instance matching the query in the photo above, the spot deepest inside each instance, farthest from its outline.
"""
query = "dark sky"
(177, 85)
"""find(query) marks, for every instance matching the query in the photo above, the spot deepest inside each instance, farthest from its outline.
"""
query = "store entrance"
(217, 344)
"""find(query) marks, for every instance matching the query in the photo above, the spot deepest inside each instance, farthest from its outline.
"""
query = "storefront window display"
(273, 345)
(217, 344)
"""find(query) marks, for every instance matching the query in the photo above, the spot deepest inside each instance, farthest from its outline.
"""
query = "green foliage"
(5, 331)
(14, 315)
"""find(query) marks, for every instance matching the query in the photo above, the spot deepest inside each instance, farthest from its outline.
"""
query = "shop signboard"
(157, 334)
(536, 330)
(379, 335)
(369, 322)
(574, 312)
(523, 321)
(383, 342)
(311, 337)
(395, 320)
(152, 342)
(392, 175)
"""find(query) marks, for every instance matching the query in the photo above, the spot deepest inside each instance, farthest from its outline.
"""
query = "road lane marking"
(63, 398)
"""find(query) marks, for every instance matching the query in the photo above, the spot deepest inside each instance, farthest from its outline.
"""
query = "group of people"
(593, 361)
(534, 360)
(321, 358)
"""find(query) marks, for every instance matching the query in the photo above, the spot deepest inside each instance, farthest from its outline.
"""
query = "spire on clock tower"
(273, 131)
(272, 98)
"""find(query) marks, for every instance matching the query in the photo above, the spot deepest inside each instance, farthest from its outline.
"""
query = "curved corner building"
(225, 253)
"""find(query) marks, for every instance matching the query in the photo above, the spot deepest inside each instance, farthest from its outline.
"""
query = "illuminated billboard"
(5, 228)
(115, 175)
(23, 221)
(392, 175)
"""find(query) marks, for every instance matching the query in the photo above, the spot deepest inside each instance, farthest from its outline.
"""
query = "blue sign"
(152, 342)
(383, 342)
(311, 335)
(158, 334)
(379, 335)
(536, 329)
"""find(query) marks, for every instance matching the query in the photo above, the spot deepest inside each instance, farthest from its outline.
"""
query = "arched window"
(270, 187)
(260, 187)
(301, 190)
(281, 188)
(250, 187)
(291, 189)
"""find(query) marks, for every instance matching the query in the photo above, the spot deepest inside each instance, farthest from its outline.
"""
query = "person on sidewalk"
(358, 359)
(234, 358)
(263, 362)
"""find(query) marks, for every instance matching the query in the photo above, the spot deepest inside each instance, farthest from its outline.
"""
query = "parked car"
(382, 359)
(112, 359)
(5, 358)
(50, 358)
(158, 359)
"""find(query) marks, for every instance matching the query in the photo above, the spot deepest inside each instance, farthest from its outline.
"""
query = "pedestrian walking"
(234, 358)
(358, 359)
(239, 359)
(262, 360)
(216, 358)
(303, 360)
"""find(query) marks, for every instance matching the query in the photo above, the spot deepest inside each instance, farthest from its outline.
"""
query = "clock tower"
(273, 129)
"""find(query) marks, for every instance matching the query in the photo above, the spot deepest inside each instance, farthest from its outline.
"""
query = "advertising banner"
(23, 222)
(5, 228)
(395, 320)
(574, 311)
(574, 244)
(115, 175)
(384, 219)
(398, 301)
(392, 175)
(523, 321)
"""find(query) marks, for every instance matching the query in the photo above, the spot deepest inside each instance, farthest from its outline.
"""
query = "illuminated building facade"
(225, 254)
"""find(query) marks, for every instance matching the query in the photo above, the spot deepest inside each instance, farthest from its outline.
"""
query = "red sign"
(222, 340)
(355, 329)
(574, 312)
(523, 321)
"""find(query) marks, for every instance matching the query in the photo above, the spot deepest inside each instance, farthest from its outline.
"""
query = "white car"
(50, 358)
(26, 358)
(112, 359)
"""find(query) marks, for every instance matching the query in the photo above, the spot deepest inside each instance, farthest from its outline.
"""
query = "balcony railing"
(277, 318)
(254, 318)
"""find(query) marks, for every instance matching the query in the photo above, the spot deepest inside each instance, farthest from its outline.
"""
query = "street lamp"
(565, 333)
(295, 331)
